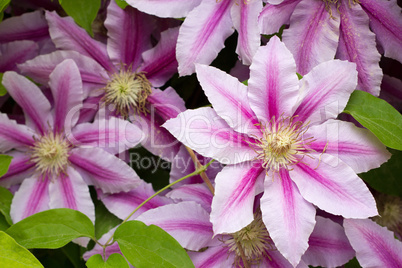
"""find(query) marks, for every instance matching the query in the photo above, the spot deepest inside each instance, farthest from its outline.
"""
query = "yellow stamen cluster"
(337, 4)
(127, 91)
(283, 144)
(50, 153)
(251, 243)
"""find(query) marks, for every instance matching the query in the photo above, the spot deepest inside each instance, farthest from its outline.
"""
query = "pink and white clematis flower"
(321, 30)
(54, 158)
(207, 25)
(279, 136)
(123, 75)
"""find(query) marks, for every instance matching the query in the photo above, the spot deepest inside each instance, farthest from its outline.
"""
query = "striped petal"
(202, 34)
(217, 256)
(104, 170)
(288, 217)
(357, 147)
(229, 98)
(31, 99)
(190, 224)
(273, 84)
(386, 22)
(333, 186)
(205, 132)
(235, 191)
(313, 34)
(193, 192)
(66, 86)
(245, 20)
(13, 135)
(325, 91)
(165, 8)
(357, 44)
(32, 197)
(375, 246)
(69, 36)
(166, 104)
(328, 245)
(20, 168)
(129, 33)
(70, 191)
(16, 52)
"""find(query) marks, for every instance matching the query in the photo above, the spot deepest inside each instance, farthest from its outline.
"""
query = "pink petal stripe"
(375, 246)
(31, 99)
(65, 83)
(235, 191)
(165, 8)
(357, 44)
(190, 224)
(357, 147)
(114, 135)
(69, 36)
(166, 104)
(313, 35)
(272, 17)
(202, 34)
(160, 62)
(205, 132)
(20, 168)
(288, 217)
(16, 52)
(229, 98)
(193, 192)
(31, 197)
(70, 191)
(273, 84)
(333, 186)
(217, 256)
(104, 170)
(328, 245)
(129, 33)
(386, 22)
(325, 91)
(28, 26)
(13, 135)
(245, 20)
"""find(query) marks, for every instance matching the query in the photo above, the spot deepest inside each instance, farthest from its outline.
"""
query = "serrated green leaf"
(150, 246)
(5, 202)
(5, 161)
(114, 261)
(378, 116)
(387, 178)
(83, 12)
(52, 228)
(121, 3)
(13, 255)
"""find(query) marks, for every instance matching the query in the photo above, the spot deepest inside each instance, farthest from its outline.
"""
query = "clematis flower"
(206, 26)
(279, 136)
(54, 158)
(375, 246)
(124, 74)
(322, 30)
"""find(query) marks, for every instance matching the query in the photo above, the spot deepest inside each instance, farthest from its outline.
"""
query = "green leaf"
(378, 116)
(121, 3)
(5, 161)
(5, 202)
(3, 223)
(387, 178)
(72, 252)
(104, 220)
(150, 246)
(115, 260)
(299, 76)
(353, 263)
(245, 82)
(83, 12)
(52, 228)
(13, 255)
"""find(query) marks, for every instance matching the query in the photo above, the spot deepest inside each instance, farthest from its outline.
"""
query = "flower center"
(251, 243)
(282, 144)
(337, 4)
(127, 91)
(50, 153)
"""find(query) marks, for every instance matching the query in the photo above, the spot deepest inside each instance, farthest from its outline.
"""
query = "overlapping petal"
(204, 131)
(166, 104)
(193, 192)
(20, 168)
(235, 189)
(213, 257)
(165, 8)
(13, 135)
(273, 83)
(16, 52)
(288, 217)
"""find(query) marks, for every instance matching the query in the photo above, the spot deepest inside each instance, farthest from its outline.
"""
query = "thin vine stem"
(198, 166)
(199, 170)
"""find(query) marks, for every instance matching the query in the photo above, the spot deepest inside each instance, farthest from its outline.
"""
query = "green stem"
(198, 171)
